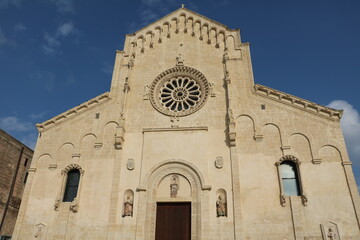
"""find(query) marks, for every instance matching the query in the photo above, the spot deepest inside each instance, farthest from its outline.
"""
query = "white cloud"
(65, 29)
(147, 16)
(19, 27)
(350, 124)
(64, 6)
(13, 124)
(54, 41)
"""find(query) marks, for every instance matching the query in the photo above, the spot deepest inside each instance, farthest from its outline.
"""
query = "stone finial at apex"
(182, 5)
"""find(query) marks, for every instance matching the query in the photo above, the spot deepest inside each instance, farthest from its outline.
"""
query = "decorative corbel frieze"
(151, 45)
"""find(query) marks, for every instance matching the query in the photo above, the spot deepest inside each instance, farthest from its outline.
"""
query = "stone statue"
(128, 206)
(179, 60)
(174, 186)
(221, 206)
(331, 234)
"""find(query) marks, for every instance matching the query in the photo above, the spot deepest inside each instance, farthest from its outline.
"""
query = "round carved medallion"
(179, 91)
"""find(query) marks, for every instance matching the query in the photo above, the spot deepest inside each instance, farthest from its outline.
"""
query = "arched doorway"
(161, 193)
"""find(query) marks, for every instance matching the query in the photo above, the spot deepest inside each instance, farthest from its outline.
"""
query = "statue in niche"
(221, 206)
(332, 234)
(174, 186)
(128, 206)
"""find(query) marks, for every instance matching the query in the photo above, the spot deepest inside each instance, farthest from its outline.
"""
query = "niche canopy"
(179, 91)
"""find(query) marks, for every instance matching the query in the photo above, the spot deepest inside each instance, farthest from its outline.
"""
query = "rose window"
(180, 94)
(179, 91)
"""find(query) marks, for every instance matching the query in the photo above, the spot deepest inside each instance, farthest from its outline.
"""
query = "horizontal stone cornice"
(73, 112)
(297, 102)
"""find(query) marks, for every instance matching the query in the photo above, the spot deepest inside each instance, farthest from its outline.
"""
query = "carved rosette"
(179, 91)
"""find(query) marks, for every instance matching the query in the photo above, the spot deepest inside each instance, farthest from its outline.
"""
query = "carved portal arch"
(190, 173)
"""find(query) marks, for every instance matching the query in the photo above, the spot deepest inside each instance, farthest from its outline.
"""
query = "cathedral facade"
(186, 146)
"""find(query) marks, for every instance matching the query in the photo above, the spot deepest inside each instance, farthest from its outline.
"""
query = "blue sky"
(56, 54)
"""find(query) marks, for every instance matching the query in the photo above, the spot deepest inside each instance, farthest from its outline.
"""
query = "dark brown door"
(173, 221)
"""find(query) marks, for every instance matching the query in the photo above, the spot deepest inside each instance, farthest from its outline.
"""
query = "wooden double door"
(173, 221)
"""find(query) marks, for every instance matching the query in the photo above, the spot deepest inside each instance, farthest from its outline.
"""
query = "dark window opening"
(72, 185)
(26, 176)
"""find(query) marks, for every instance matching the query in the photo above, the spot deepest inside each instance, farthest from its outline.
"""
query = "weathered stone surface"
(252, 127)
(15, 159)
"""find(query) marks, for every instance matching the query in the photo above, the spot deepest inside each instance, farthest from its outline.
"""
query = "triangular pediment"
(187, 15)
(181, 21)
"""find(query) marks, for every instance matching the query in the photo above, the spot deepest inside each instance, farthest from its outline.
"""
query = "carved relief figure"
(128, 206)
(40, 231)
(179, 60)
(38, 234)
(332, 234)
(174, 186)
(221, 206)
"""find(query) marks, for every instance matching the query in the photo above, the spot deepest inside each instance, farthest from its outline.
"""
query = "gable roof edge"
(177, 10)
(73, 112)
(300, 103)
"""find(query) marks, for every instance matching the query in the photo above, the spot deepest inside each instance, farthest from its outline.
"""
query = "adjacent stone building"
(186, 146)
(15, 159)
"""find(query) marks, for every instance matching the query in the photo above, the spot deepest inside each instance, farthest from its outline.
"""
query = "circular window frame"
(175, 73)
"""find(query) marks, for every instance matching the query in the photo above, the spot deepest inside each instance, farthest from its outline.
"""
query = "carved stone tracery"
(179, 91)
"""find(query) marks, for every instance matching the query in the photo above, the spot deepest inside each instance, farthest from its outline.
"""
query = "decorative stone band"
(179, 91)
(298, 102)
(72, 112)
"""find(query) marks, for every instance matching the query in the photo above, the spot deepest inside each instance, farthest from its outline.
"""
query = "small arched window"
(288, 168)
(289, 178)
(72, 185)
